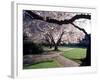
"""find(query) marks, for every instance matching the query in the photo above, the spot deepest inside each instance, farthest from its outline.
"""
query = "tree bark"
(56, 47)
(87, 60)
(60, 22)
(81, 29)
(50, 45)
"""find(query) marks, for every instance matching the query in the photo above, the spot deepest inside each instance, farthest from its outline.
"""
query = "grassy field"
(75, 54)
(72, 53)
(44, 64)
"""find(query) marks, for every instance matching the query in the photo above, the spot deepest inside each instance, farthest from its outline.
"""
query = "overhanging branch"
(81, 29)
(60, 22)
(55, 21)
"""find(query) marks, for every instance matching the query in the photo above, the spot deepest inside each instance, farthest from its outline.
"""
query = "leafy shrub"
(31, 48)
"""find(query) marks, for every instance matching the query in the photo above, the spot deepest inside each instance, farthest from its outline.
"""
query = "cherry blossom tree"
(54, 33)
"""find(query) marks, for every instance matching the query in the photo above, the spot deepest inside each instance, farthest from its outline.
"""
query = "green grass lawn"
(72, 53)
(44, 64)
(75, 53)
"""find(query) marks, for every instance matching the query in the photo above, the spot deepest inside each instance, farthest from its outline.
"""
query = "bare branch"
(60, 22)
(59, 40)
(81, 29)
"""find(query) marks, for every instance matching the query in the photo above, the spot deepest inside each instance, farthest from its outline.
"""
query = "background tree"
(52, 35)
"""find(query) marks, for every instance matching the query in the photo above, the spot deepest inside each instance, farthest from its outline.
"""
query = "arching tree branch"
(55, 21)
(33, 15)
(81, 29)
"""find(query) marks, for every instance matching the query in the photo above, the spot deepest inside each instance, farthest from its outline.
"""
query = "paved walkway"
(65, 62)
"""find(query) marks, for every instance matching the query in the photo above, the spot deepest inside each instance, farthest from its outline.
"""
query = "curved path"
(65, 62)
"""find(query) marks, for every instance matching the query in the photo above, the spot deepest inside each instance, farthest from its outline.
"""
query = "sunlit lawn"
(44, 64)
(75, 53)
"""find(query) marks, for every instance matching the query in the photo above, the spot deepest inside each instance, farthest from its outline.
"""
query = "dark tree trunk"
(88, 56)
(50, 46)
(56, 47)
(58, 42)
(87, 60)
